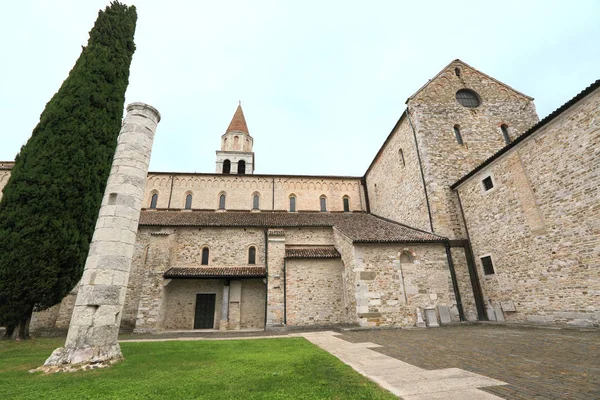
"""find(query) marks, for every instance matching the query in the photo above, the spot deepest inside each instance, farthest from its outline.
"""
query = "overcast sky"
(322, 83)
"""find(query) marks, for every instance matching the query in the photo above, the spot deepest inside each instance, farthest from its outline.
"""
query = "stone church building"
(473, 209)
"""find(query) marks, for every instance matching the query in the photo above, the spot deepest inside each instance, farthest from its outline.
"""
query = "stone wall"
(181, 301)
(394, 182)
(314, 292)
(239, 190)
(540, 223)
(393, 280)
(435, 111)
(253, 304)
(5, 168)
(346, 249)
(158, 249)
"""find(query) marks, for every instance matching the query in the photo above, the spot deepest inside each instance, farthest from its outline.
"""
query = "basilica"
(473, 209)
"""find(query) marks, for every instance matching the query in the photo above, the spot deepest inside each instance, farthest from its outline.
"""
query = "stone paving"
(403, 379)
(535, 363)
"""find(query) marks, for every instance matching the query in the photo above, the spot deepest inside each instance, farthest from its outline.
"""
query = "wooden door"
(204, 317)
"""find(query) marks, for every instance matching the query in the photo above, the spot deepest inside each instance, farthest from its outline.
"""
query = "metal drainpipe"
(171, 192)
(421, 168)
(461, 312)
(477, 292)
(267, 272)
(284, 293)
(273, 198)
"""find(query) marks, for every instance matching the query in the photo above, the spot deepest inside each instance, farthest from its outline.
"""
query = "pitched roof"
(530, 132)
(238, 122)
(215, 272)
(313, 252)
(474, 69)
(358, 227)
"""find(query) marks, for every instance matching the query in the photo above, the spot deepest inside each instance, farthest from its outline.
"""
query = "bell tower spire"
(236, 156)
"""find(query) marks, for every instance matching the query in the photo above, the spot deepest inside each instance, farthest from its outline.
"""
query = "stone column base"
(69, 360)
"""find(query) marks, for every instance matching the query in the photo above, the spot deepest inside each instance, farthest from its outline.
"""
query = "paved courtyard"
(535, 363)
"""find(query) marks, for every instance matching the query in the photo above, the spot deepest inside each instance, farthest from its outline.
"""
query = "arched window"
(406, 258)
(188, 202)
(222, 201)
(346, 201)
(204, 256)
(226, 166)
(154, 200)
(401, 153)
(255, 202)
(504, 129)
(252, 255)
(236, 142)
(292, 203)
(323, 201)
(241, 167)
(459, 139)
(468, 98)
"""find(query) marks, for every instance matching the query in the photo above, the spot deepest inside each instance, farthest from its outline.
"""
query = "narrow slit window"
(252, 255)
(205, 256)
(401, 153)
(293, 204)
(346, 201)
(154, 200)
(188, 202)
(487, 183)
(222, 202)
(458, 135)
(488, 266)
(323, 204)
(255, 202)
(505, 135)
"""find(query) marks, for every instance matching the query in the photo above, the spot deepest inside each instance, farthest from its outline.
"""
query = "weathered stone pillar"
(224, 325)
(275, 291)
(94, 328)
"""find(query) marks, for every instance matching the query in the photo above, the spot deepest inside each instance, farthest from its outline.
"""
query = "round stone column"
(94, 328)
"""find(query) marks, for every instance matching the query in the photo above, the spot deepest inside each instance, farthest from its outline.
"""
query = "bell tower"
(236, 156)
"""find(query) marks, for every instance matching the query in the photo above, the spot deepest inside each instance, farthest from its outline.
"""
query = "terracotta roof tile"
(238, 122)
(359, 227)
(215, 272)
(313, 252)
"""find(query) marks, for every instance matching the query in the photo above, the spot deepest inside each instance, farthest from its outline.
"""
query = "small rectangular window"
(488, 184)
(488, 267)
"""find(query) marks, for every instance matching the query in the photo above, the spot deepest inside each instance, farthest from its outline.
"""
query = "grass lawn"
(289, 368)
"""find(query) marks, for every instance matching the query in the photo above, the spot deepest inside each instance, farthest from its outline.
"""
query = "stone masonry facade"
(540, 223)
(234, 250)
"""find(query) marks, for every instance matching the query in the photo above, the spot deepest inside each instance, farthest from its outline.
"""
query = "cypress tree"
(51, 201)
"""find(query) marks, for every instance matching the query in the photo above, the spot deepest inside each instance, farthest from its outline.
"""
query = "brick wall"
(239, 190)
(540, 222)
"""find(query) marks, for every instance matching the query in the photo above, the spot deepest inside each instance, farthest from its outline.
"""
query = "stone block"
(498, 313)
(367, 275)
(98, 295)
(431, 318)
(508, 306)
(444, 315)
